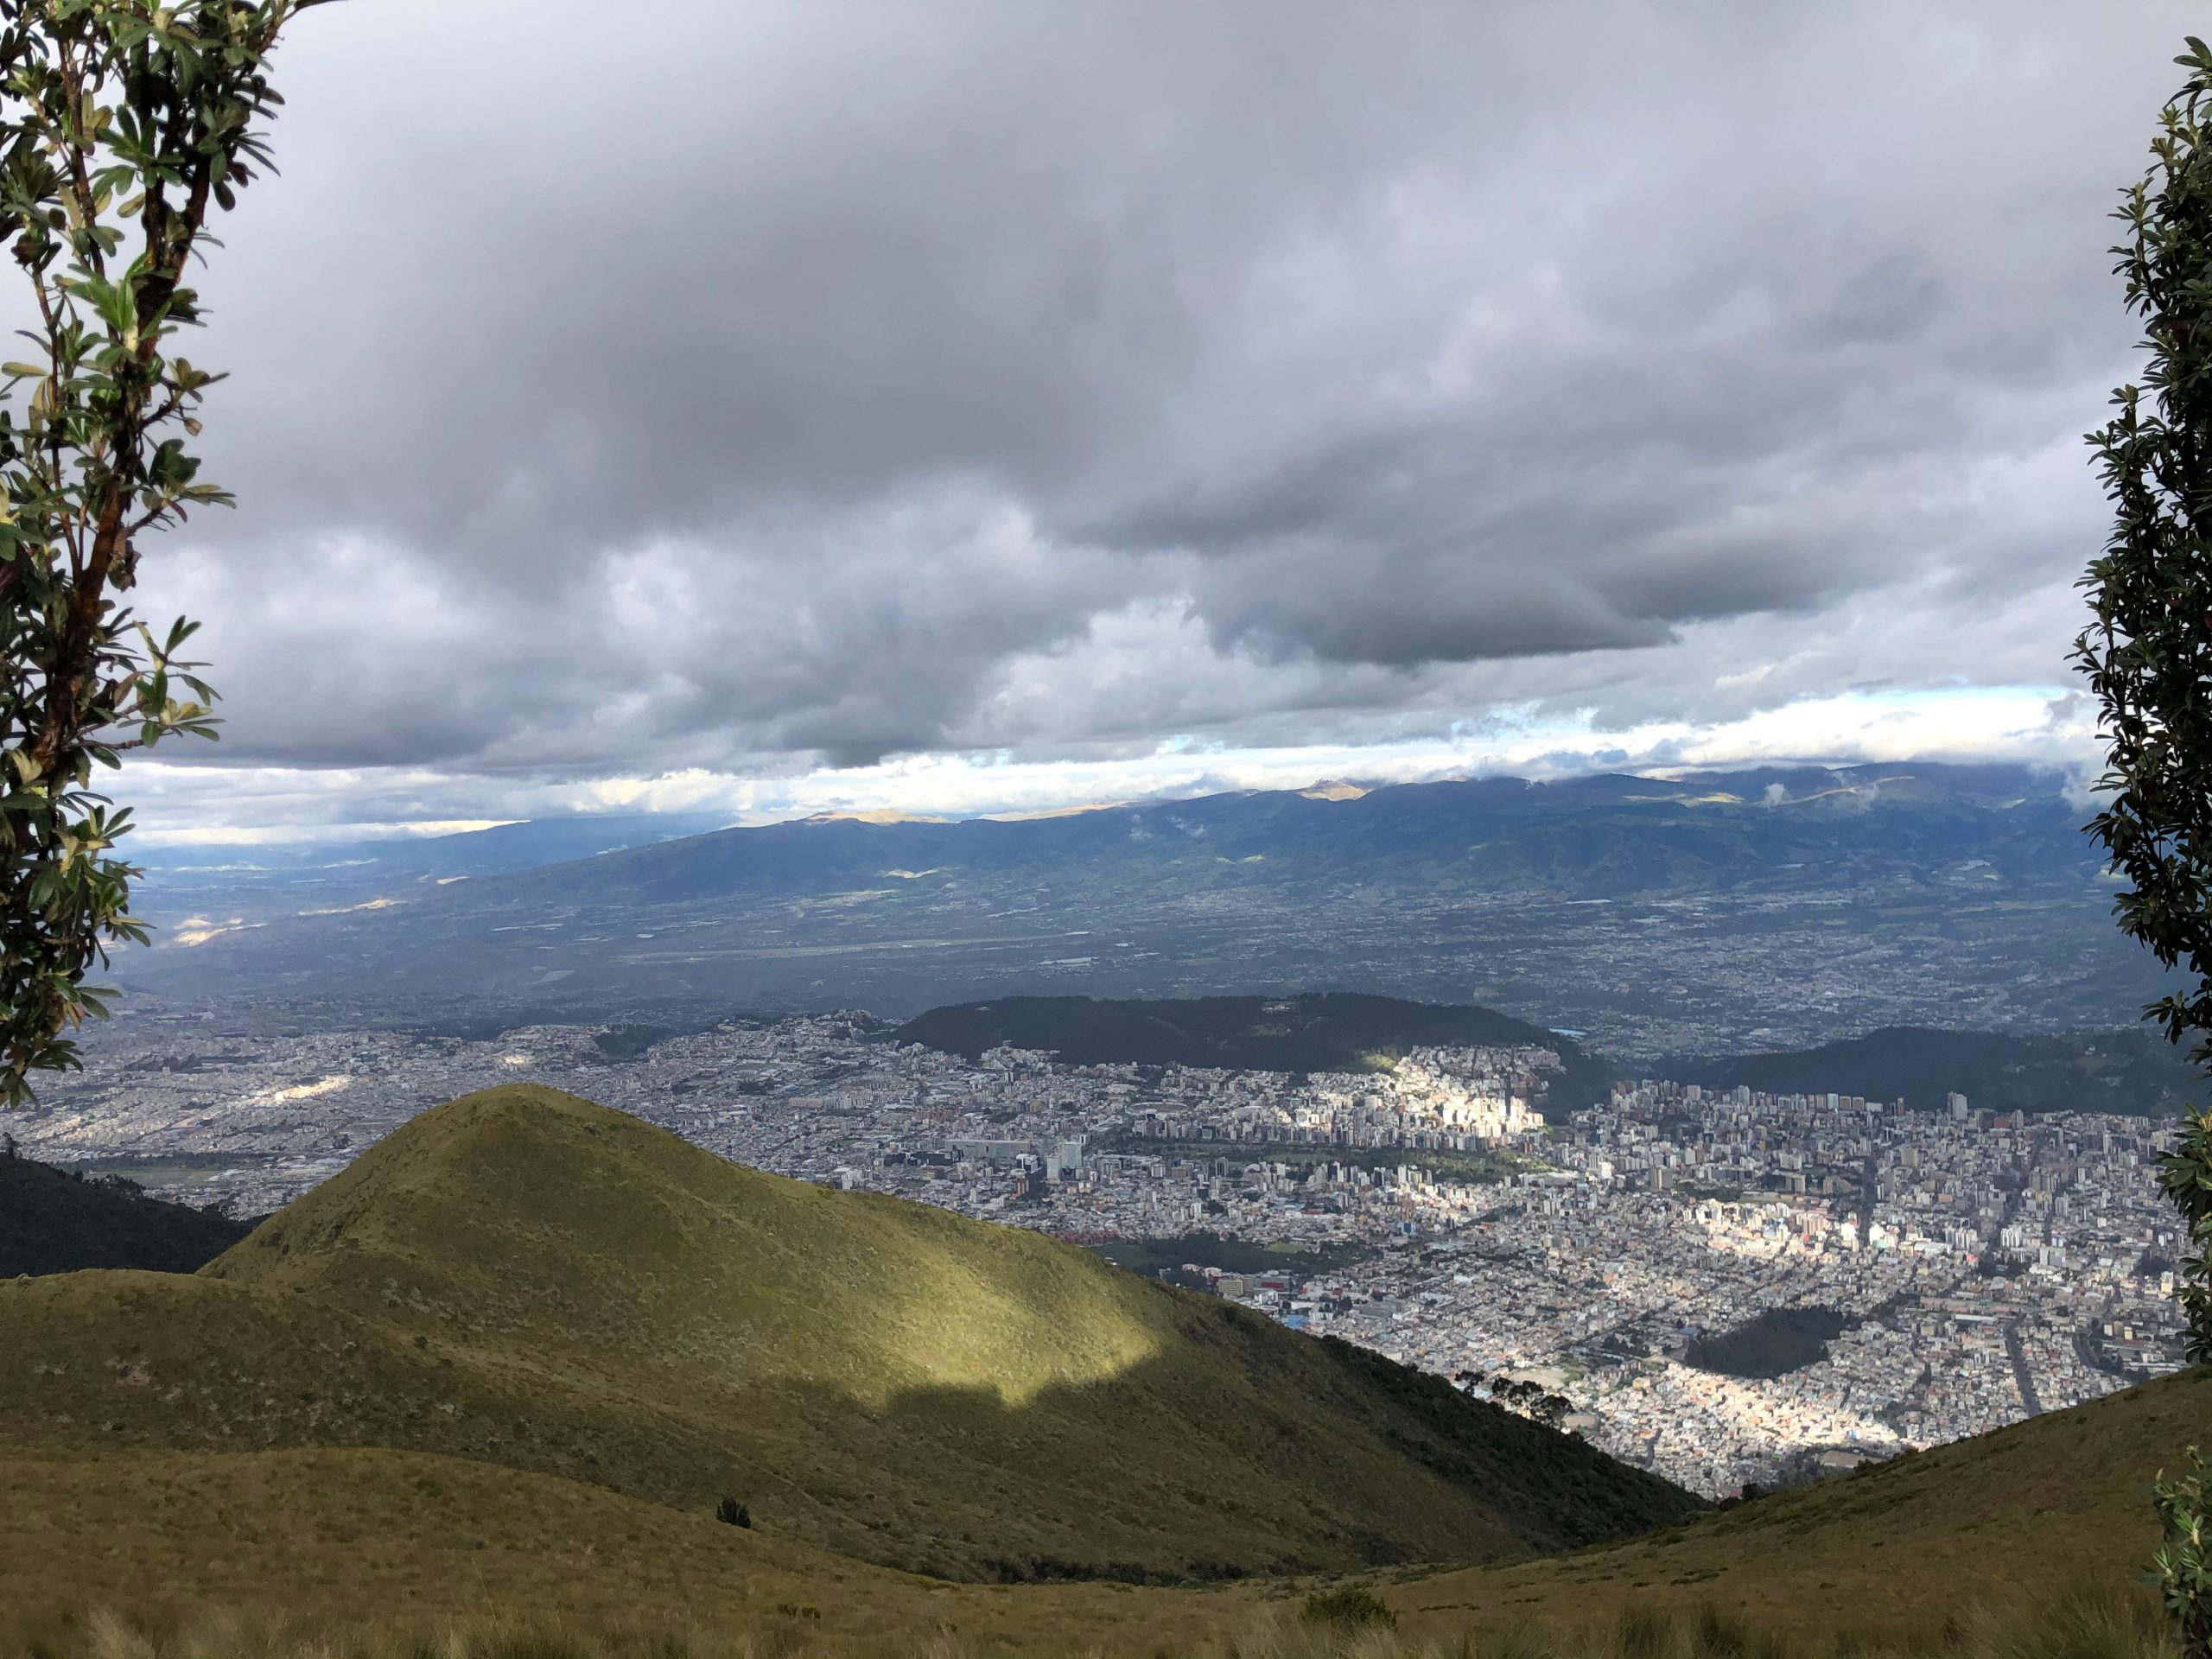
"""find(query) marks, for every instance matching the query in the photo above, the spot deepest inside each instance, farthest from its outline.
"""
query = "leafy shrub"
(731, 1513)
(2183, 1562)
(2147, 656)
(1348, 1607)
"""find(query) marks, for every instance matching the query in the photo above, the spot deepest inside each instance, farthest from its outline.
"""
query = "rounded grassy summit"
(524, 1279)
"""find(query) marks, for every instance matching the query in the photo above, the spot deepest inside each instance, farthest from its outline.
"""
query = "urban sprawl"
(1730, 1288)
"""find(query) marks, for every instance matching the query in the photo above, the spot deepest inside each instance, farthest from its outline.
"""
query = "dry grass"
(357, 1535)
(2087, 1624)
(351, 1540)
(2004, 1517)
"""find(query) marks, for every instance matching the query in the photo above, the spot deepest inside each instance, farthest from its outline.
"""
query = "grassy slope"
(2006, 1523)
(526, 1279)
(415, 1539)
(52, 1222)
(2005, 1518)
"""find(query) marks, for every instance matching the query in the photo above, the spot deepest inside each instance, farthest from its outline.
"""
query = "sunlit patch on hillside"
(946, 1326)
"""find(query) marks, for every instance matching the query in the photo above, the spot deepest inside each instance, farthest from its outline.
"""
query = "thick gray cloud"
(747, 386)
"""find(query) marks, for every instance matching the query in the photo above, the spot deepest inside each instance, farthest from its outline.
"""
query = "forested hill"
(1336, 1032)
(2123, 1071)
(55, 1221)
(2095, 1071)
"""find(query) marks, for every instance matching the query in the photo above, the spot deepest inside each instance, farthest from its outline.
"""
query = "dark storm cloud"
(703, 385)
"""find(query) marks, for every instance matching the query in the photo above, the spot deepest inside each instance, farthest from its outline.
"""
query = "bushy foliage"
(2183, 1562)
(1348, 1606)
(124, 126)
(2148, 652)
(2148, 655)
(1529, 1399)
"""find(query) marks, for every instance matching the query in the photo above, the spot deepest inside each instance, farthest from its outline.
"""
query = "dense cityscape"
(1730, 1289)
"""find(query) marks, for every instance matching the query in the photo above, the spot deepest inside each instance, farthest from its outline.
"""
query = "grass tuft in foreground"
(2092, 1624)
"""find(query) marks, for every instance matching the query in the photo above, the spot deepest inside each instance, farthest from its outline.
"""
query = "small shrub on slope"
(1348, 1607)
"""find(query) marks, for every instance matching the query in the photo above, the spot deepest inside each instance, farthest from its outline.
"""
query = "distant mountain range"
(280, 879)
(1989, 828)
(1594, 836)
(1768, 908)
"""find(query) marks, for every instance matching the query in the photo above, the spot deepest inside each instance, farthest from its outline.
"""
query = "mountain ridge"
(524, 1279)
(1896, 887)
(1532, 834)
(1317, 1031)
(1667, 829)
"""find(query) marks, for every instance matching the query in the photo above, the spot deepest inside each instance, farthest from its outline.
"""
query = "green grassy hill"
(53, 1221)
(2004, 1519)
(524, 1279)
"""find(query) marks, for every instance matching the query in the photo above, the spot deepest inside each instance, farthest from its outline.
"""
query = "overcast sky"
(985, 406)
